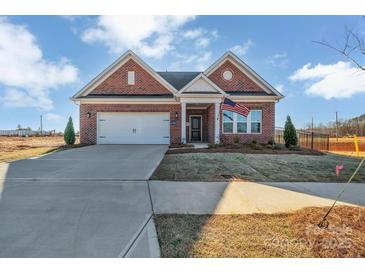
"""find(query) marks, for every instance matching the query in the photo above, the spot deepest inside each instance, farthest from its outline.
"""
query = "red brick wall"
(203, 113)
(268, 126)
(88, 125)
(239, 82)
(211, 123)
(117, 83)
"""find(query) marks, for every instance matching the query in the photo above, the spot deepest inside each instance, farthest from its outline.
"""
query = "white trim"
(229, 71)
(234, 131)
(114, 67)
(126, 101)
(188, 108)
(131, 75)
(183, 123)
(201, 126)
(217, 112)
(247, 70)
(205, 78)
(200, 95)
(189, 99)
(254, 98)
(197, 100)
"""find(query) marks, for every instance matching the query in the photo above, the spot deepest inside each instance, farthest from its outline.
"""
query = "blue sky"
(44, 60)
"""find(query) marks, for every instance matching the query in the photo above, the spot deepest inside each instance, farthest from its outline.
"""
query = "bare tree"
(352, 49)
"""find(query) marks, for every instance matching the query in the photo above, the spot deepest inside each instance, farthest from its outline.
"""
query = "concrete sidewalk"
(354, 193)
(229, 198)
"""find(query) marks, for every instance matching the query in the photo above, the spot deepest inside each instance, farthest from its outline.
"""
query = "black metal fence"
(307, 139)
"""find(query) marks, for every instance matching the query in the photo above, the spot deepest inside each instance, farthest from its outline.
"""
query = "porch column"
(217, 135)
(183, 123)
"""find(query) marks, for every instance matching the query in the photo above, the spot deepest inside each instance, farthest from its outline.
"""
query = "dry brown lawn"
(15, 148)
(264, 235)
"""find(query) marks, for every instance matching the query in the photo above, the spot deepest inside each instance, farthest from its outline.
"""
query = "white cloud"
(242, 49)
(278, 60)
(54, 117)
(193, 33)
(203, 60)
(17, 98)
(202, 37)
(25, 74)
(70, 18)
(202, 42)
(151, 36)
(199, 60)
(340, 80)
(280, 88)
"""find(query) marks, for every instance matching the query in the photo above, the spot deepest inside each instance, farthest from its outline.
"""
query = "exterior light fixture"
(176, 115)
(88, 114)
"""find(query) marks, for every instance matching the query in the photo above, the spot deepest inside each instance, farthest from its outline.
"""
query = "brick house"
(130, 103)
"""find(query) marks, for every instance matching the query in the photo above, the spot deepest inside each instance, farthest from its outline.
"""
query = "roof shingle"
(178, 79)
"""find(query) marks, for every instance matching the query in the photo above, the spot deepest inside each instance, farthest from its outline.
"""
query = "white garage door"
(133, 128)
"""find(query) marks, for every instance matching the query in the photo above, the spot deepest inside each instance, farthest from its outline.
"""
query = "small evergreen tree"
(290, 134)
(69, 134)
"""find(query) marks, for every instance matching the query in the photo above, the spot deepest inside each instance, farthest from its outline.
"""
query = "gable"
(201, 86)
(117, 82)
(239, 82)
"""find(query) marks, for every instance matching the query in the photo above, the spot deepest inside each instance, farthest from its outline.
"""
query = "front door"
(195, 128)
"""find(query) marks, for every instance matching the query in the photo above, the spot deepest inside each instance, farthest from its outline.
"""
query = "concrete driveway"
(101, 162)
(85, 202)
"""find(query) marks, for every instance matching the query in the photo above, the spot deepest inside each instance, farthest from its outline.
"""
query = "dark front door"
(196, 129)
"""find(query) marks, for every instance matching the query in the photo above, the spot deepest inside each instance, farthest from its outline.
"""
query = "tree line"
(349, 127)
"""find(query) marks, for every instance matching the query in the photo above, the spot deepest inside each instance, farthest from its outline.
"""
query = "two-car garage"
(133, 128)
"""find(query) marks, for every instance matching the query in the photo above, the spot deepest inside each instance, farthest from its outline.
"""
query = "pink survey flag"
(338, 168)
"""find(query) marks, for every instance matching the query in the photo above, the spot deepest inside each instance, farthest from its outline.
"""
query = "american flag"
(235, 107)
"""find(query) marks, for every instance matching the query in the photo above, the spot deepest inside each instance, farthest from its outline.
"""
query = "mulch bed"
(245, 149)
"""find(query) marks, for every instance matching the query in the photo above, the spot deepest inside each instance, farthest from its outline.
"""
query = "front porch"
(202, 121)
(200, 110)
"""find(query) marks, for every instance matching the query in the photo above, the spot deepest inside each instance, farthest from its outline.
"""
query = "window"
(255, 121)
(227, 121)
(227, 75)
(131, 77)
(239, 124)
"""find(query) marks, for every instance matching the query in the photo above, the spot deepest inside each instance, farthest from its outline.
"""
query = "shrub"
(277, 147)
(294, 148)
(271, 142)
(212, 145)
(290, 134)
(69, 133)
(254, 145)
(236, 145)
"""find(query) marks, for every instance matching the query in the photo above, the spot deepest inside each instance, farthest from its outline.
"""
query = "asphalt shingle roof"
(178, 79)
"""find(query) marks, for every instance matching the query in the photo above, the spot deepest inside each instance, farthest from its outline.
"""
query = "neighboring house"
(130, 103)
